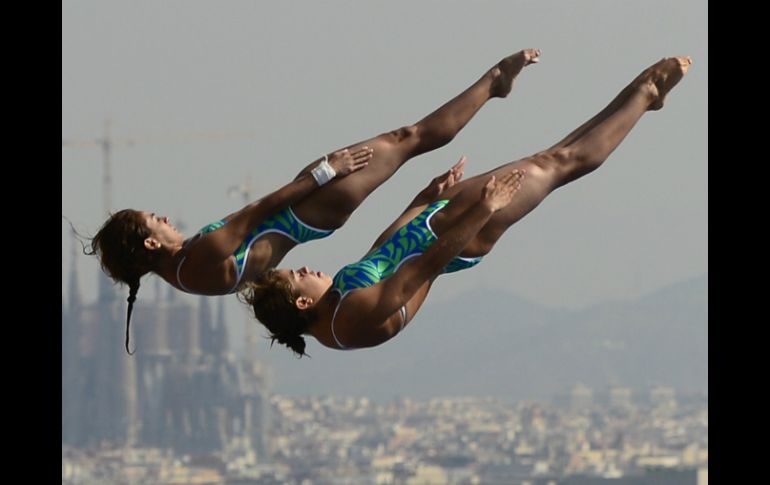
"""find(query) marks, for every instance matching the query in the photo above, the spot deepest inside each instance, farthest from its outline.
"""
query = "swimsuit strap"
(181, 261)
(401, 311)
(334, 315)
(179, 278)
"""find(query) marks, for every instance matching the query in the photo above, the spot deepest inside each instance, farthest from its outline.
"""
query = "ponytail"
(294, 341)
(133, 289)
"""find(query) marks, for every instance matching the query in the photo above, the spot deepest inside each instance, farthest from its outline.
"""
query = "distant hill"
(495, 343)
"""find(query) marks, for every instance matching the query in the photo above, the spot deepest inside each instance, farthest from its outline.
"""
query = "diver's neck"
(320, 328)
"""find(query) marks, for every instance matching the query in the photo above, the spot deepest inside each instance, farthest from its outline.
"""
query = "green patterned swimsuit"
(284, 222)
(408, 242)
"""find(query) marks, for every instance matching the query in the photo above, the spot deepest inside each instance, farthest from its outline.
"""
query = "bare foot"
(661, 77)
(505, 72)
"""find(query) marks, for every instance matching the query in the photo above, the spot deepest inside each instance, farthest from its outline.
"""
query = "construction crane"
(107, 143)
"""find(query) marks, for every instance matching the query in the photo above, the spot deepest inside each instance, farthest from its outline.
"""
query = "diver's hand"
(438, 185)
(344, 162)
(499, 193)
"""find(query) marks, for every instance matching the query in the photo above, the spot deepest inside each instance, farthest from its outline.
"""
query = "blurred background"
(576, 350)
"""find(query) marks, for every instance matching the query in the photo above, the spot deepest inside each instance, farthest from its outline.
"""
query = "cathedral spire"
(75, 299)
(221, 327)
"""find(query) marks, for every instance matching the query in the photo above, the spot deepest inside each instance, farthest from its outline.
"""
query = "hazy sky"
(305, 78)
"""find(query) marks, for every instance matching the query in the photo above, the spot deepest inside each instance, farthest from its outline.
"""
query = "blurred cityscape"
(185, 409)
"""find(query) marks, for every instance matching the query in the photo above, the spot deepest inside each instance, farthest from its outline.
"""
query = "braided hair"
(133, 289)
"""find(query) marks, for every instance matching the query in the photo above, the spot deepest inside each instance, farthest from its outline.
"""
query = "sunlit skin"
(208, 264)
(481, 209)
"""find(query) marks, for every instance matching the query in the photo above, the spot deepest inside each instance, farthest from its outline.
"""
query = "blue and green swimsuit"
(284, 222)
(408, 242)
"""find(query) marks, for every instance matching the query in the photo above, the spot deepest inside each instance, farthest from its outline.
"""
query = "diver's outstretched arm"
(215, 246)
(422, 199)
(363, 314)
(331, 207)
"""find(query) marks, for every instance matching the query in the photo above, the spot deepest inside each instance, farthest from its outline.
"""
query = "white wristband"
(323, 172)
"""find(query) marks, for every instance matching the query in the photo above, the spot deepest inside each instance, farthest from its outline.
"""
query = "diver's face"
(308, 283)
(161, 229)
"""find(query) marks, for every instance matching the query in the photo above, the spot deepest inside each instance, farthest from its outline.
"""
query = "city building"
(182, 389)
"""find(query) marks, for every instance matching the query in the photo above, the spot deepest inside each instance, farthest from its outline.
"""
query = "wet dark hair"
(272, 299)
(119, 245)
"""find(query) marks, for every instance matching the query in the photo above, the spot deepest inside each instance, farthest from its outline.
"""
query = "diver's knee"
(555, 157)
(403, 134)
(557, 162)
(480, 246)
(567, 163)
